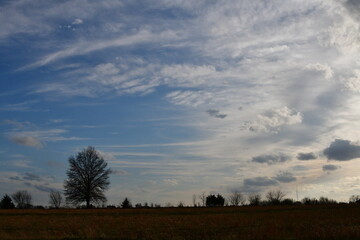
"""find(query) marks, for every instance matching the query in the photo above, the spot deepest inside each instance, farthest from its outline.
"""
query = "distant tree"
(6, 202)
(215, 200)
(55, 199)
(254, 199)
(181, 204)
(88, 178)
(354, 199)
(194, 200)
(236, 198)
(287, 201)
(22, 199)
(275, 197)
(126, 203)
(309, 201)
(203, 199)
(325, 200)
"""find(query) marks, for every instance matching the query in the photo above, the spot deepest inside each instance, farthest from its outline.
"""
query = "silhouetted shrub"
(287, 201)
(354, 199)
(212, 200)
(309, 201)
(254, 199)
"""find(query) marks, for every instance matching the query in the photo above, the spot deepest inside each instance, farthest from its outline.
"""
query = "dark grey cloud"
(306, 156)
(330, 167)
(342, 150)
(353, 6)
(216, 113)
(44, 188)
(285, 177)
(31, 177)
(259, 182)
(271, 158)
(16, 178)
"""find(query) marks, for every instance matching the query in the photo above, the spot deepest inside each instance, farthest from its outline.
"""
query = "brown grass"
(295, 222)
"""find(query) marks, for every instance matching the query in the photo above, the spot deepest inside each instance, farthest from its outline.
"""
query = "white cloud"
(326, 69)
(274, 120)
(353, 83)
(77, 21)
(26, 141)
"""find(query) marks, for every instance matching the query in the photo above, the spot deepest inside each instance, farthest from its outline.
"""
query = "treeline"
(23, 200)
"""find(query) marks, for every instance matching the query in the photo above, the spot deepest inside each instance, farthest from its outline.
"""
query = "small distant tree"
(22, 199)
(202, 199)
(55, 199)
(275, 197)
(325, 200)
(236, 198)
(287, 201)
(181, 204)
(6, 202)
(215, 200)
(88, 178)
(194, 200)
(354, 199)
(126, 203)
(254, 199)
(309, 201)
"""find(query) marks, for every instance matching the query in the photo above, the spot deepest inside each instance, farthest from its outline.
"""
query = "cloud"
(306, 156)
(272, 121)
(171, 181)
(31, 177)
(26, 141)
(353, 83)
(77, 21)
(342, 150)
(330, 167)
(285, 177)
(216, 114)
(326, 69)
(271, 158)
(259, 182)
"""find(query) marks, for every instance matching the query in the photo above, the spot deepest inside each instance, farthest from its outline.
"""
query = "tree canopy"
(88, 178)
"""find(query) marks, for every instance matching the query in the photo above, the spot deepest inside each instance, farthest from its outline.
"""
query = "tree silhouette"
(55, 199)
(254, 199)
(22, 199)
(275, 197)
(236, 198)
(212, 200)
(88, 178)
(6, 203)
(126, 203)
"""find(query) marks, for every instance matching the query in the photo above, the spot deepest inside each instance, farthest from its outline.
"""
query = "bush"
(212, 200)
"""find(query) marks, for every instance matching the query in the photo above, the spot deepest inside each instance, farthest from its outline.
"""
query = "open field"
(293, 222)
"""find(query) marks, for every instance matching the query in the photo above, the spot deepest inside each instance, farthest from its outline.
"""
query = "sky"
(182, 97)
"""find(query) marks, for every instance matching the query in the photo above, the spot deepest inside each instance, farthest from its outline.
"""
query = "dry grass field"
(293, 222)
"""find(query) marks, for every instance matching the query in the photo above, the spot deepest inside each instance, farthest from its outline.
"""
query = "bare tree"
(203, 199)
(275, 197)
(236, 198)
(88, 178)
(55, 199)
(194, 200)
(254, 199)
(22, 199)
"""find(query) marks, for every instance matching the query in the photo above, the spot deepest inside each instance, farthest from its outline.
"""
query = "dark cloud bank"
(342, 150)
(306, 156)
(271, 158)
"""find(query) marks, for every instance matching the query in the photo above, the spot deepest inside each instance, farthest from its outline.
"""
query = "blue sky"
(182, 97)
